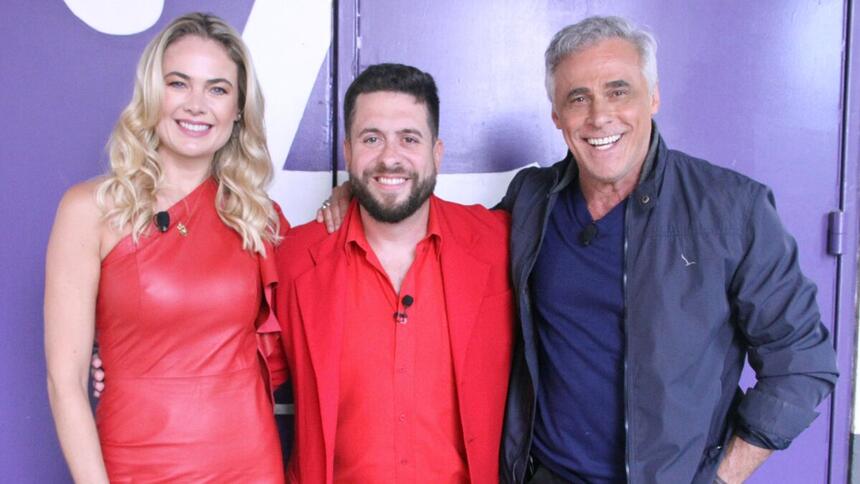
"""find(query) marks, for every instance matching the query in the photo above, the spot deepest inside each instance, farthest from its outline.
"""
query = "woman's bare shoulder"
(79, 202)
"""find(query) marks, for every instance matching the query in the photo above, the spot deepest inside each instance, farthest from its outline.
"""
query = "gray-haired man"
(644, 277)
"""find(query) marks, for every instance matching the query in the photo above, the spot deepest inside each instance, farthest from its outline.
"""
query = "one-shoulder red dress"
(180, 319)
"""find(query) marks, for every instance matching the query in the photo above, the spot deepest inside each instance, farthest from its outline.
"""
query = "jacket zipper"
(547, 212)
(627, 443)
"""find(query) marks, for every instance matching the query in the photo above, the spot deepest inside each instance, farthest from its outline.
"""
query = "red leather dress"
(178, 320)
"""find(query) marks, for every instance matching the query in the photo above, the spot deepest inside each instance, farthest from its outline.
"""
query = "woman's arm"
(71, 283)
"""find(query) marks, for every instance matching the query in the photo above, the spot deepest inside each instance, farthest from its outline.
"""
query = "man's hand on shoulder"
(333, 210)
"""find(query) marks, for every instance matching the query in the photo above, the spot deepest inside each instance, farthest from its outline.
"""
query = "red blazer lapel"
(320, 293)
(464, 278)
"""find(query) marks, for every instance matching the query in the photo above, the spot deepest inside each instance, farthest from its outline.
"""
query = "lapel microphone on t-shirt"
(589, 233)
(162, 221)
(403, 318)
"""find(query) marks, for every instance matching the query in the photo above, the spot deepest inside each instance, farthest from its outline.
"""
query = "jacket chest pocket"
(677, 284)
(696, 258)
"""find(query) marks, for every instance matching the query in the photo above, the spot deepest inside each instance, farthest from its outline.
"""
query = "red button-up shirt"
(398, 418)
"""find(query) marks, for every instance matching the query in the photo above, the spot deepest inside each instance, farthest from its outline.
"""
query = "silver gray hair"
(592, 30)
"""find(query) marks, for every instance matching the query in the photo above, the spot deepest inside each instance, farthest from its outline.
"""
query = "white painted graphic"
(486, 189)
(289, 40)
(117, 17)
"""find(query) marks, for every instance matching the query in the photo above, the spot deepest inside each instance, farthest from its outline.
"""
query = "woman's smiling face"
(200, 100)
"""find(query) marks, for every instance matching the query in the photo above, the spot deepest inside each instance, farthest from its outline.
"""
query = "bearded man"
(397, 326)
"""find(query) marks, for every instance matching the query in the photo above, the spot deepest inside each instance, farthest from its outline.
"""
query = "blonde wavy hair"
(242, 167)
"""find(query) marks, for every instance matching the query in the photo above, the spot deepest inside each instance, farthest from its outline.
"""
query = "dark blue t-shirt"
(579, 309)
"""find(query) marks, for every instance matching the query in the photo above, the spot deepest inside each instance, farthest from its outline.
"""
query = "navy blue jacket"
(710, 276)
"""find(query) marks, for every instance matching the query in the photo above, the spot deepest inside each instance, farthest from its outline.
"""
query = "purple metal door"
(754, 86)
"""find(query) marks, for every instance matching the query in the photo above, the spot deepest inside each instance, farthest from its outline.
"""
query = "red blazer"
(478, 297)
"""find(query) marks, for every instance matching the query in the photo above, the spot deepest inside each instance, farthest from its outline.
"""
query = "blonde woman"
(165, 259)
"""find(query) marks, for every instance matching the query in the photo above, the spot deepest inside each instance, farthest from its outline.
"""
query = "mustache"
(382, 170)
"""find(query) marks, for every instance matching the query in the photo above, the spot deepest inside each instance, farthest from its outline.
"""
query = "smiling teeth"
(603, 141)
(391, 181)
(194, 127)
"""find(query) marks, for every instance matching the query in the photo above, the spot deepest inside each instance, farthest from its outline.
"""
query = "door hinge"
(835, 229)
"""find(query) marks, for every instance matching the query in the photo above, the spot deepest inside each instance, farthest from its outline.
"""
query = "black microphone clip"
(403, 318)
(589, 233)
(162, 221)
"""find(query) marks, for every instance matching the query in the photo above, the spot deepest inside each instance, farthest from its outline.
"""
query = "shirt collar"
(354, 229)
(434, 230)
(355, 236)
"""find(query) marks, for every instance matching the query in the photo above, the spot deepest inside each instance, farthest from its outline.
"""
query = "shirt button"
(644, 199)
(401, 370)
(404, 461)
(402, 417)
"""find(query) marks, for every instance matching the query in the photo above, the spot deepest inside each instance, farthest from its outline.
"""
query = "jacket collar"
(646, 192)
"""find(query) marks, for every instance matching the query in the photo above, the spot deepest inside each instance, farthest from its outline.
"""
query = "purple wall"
(756, 86)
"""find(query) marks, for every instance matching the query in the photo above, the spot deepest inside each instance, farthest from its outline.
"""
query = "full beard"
(422, 188)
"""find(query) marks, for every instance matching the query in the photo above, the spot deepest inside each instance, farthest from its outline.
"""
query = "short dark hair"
(394, 78)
